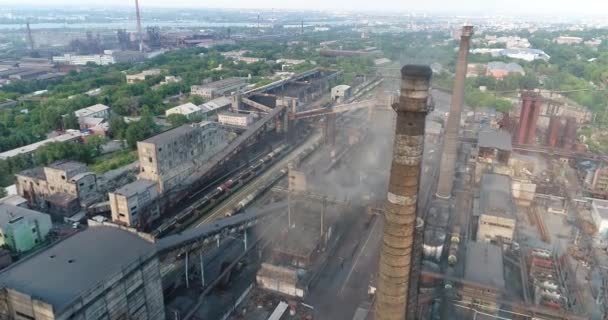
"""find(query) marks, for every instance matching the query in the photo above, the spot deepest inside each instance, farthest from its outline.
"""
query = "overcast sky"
(527, 7)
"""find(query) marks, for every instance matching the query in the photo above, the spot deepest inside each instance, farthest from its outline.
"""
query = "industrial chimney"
(400, 215)
(450, 144)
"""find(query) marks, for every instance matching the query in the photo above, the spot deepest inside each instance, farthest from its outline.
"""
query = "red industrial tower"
(528, 117)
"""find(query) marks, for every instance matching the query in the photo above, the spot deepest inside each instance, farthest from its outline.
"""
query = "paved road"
(343, 284)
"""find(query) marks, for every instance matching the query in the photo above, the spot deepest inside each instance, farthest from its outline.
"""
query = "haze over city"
(466, 7)
(282, 160)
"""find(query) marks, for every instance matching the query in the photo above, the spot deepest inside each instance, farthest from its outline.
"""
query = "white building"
(599, 214)
(188, 109)
(235, 119)
(81, 60)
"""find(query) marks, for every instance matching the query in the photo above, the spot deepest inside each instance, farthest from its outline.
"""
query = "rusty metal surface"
(397, 255)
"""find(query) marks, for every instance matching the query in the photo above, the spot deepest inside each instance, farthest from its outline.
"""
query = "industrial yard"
(329, 182)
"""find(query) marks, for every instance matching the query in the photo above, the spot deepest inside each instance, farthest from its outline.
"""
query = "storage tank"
(453, 254)
(455, 238)
(434, 240)
(438, 217)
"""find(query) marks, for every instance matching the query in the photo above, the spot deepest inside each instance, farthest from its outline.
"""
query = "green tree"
(177, 119)
(197, 100)
(70, 121)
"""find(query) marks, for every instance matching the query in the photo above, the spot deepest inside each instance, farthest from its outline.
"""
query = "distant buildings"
(219, 88)
(526, 54)
(568, 40)
(31, 148)
(189, 110)
(509, 42)
(132, 78)
(240, 56)
(235, 119)
(108, 57)
(102, 272)
(22, 229)
(499, 70)
(135, 204)
(600, 180)
(170, 157)
(496, 210)
(60, 188)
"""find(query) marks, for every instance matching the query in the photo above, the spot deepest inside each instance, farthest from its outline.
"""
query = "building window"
(81, 184)
(91, 187)
(33, 230)
(63, 177)
(121, 215)
(150, 159)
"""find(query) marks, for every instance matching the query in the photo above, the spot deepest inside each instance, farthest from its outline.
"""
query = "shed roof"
(495, 196)
(496, 139)
(484, 264)
(75, 265)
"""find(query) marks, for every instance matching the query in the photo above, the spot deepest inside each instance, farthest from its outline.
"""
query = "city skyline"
(466, 7)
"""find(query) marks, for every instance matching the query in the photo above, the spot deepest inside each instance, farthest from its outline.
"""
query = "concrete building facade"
(22, 229)
(60, 188)
(100, 273)
(496, 209)
(235, 119)
(170, 157)
(219, 88)
(135, 204)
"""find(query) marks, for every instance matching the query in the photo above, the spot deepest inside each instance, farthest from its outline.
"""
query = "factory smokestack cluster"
(531, 103)
(450, 144)
(397, 256)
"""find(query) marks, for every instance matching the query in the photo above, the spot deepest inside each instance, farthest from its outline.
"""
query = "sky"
(510, 7)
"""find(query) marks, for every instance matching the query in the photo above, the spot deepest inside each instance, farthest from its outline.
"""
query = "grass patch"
(113, 161)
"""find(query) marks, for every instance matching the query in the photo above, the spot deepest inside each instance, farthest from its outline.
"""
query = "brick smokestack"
(450, 144)
(396, 256)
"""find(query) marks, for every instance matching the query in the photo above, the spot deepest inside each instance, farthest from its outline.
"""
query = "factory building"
(340, 93)
(493, 153)
(22, 229)
(495, 209)
(219, 88)
(170, 157)
(599, 180)
(135, 204)
(61, 188)
(189, 110)
(235, 119)
(100, 273)
(484, 275)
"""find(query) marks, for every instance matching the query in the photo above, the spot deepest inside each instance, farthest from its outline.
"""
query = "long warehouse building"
(100, 273)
